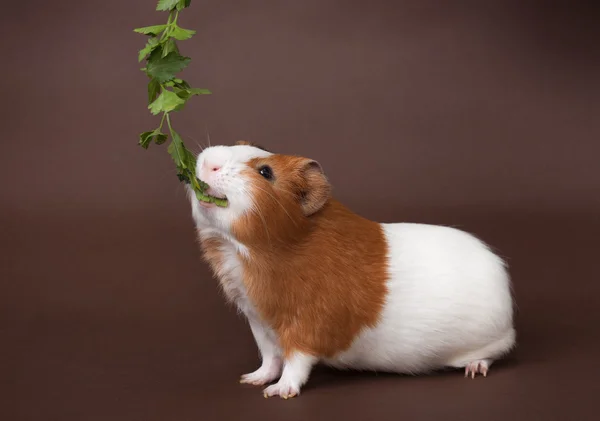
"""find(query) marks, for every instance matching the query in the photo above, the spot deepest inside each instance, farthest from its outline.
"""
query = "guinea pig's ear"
(246, 143)
(316, 188)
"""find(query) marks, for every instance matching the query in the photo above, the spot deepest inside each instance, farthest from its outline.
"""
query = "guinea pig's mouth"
(210, 198)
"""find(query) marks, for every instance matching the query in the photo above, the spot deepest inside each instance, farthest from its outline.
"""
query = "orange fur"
(315, 271)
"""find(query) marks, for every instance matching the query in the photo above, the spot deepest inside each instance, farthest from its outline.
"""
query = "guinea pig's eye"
(266, 172)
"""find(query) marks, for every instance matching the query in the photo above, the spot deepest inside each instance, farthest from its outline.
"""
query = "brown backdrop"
(481, 115)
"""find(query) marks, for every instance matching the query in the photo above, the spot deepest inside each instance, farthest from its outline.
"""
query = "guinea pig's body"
(447, 304)
(319, 283)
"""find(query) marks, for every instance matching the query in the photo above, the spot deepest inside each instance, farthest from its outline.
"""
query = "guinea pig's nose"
(212, 166)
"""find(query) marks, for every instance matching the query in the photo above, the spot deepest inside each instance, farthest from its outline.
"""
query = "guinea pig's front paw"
(283, 389)
(265, 374)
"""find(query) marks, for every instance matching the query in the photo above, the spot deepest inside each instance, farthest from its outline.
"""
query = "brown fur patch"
(317, 280)
(213, 254)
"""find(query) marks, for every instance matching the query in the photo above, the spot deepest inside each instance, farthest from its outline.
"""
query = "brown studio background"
(481, 115)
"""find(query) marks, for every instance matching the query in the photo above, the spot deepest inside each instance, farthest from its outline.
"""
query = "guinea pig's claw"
(477, 367)
(283, 391)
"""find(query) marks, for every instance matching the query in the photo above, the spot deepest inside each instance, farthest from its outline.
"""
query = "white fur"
(449, 304)
(295, 374)
(227, 181)
(270, 353)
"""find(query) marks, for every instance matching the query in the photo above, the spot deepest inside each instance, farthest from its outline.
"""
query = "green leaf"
(206, 198)
(190, 159)
(169, 47)
(160, 138)
(153, 90)
(182, 93)
(182, 84)
(198, 184)
(165, 68)
(198, 91)
(187, 92)
(151, 30)
(166, 101)
(156, 53)
(202, 197)
(145, 139)
(177, 150)
(183, 177)
(183, 4)
(181, 106)
(149, 48)
(182, 34)
(156, 135)
(201, 184)
(164, 5)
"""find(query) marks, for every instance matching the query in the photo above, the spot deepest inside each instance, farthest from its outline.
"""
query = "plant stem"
(169, 122)
(170, 24)
(162, 121)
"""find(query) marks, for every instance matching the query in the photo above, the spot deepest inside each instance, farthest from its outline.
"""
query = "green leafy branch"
(167, 93)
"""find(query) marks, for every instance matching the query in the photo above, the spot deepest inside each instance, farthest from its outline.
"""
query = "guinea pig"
(320, 284)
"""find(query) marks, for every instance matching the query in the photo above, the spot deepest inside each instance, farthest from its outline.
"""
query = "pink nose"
(212, 167)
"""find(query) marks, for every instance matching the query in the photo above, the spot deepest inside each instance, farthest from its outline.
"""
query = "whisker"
(257, 209)
(279, 203)
(208, 136)
(167, 173)
(196, 141)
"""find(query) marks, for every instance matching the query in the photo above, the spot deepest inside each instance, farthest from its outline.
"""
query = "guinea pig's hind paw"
(477, 367)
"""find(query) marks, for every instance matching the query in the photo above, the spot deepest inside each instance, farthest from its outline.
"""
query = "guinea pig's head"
(269, 196)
